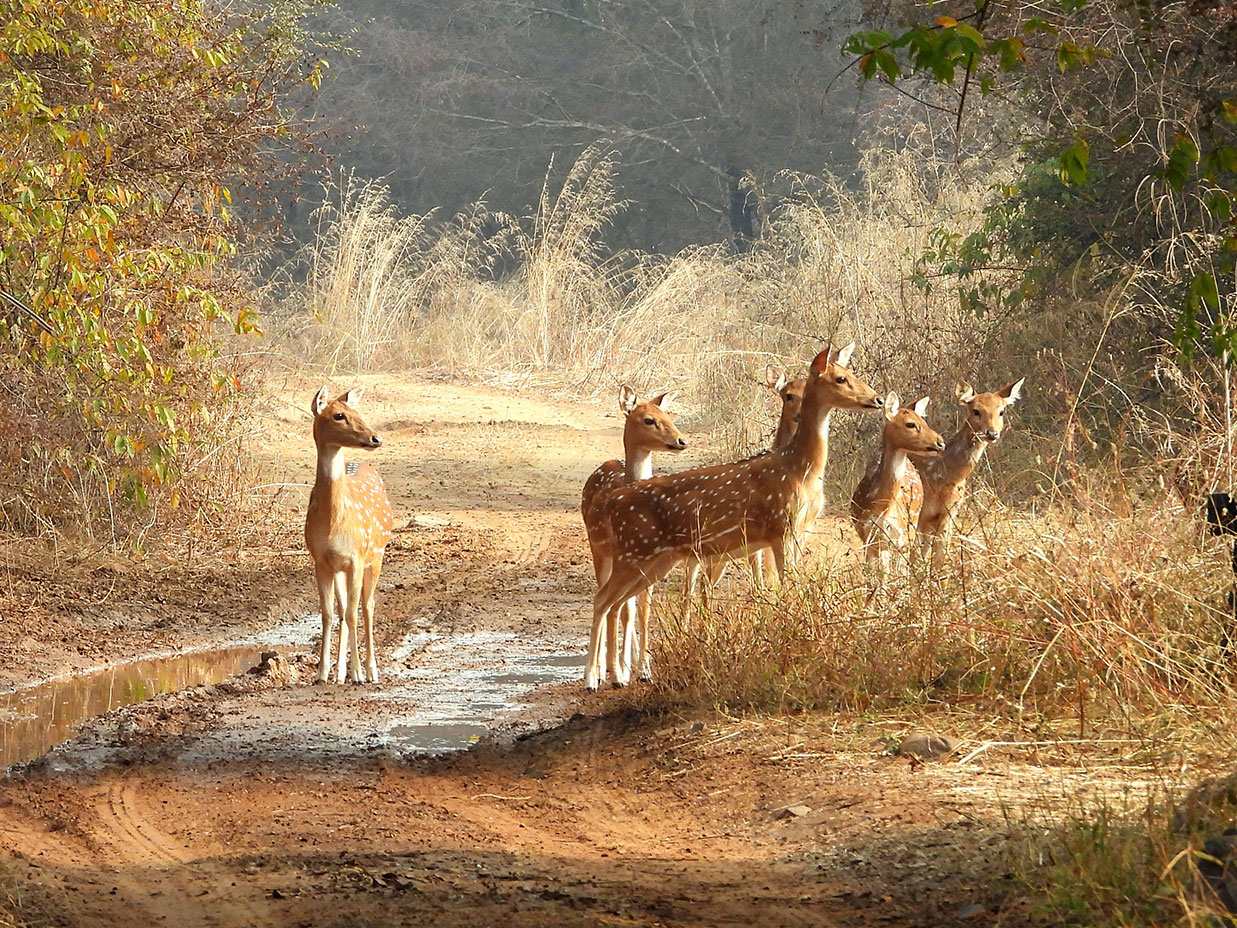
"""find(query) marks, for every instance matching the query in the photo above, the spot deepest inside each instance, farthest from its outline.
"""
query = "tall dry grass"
(1084, 614)
(540, 298)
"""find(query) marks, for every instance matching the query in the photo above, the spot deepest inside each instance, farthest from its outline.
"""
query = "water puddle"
(441, 692)
(460, 686)
(37, 718)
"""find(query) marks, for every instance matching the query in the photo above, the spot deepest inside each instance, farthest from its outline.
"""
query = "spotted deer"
(944, 477)
(886, 502)
(790, 394)
(725, 509)
(347, 528)
(647, 428)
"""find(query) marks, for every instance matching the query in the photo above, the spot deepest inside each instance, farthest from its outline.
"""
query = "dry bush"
(1073, 613)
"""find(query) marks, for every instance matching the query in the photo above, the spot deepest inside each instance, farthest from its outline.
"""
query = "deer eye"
(841, 379)
(974, 412)
(339, 417)
(912, 426)
(649, 421)
(787, 398)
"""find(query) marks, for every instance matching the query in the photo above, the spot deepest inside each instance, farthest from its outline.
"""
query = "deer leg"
(778, 549)
(691, 573)
(644, 608)
(630, 644)
(757, 562)
(620, 625)
(369, 590)
(341, 596)
(626, 580)
(592, 670)
(326, 602)
(354, 579)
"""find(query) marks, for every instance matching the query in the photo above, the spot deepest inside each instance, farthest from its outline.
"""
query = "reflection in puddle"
(35, 719)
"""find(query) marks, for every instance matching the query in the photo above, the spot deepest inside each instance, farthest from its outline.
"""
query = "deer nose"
(991, 435)
(879, 402)
(940, 444)
(680, 443)
(375, 440)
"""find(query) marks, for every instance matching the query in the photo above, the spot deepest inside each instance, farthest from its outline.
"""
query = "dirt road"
(270, 802)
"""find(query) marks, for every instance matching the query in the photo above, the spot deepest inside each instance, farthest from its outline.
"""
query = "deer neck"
(808, 450)
(785, 433)
(331, 470)
(961, 455)
(638, 463)
(890, 470)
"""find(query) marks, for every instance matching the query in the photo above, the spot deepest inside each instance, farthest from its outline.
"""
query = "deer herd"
(641, 526)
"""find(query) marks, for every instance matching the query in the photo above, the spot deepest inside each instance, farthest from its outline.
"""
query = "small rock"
(795, 811)
(927, 746)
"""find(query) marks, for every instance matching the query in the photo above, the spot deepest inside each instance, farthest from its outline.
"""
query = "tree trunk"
(743, 212)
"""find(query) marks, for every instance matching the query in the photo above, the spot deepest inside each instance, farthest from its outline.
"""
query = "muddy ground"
(267, 801)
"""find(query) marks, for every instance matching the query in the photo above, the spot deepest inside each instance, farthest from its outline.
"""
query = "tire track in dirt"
(183, 880)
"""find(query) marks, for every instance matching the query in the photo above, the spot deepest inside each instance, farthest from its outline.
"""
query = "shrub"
(121, 125)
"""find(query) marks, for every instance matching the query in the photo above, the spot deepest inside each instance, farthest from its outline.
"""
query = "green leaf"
(1073, 161)
(1203, 292)
(1181, 159)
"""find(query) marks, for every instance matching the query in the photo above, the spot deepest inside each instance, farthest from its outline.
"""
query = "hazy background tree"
(706, 103)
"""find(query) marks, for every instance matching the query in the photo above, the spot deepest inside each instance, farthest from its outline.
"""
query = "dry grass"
(1143, 860)
(539, 298)
(1082, 614)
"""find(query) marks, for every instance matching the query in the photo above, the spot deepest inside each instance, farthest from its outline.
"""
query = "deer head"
(790, 392)
(831, 385)
(906, 429)
(984, 413)
(649, 426)
(338, 425)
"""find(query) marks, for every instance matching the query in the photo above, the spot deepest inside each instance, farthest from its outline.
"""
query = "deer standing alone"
(647, 428)
(725, 509)
(887, 501)
(347, 528)
(944, 477)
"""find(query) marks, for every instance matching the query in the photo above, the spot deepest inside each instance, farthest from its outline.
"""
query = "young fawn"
(886, 502)
(944, 477)
(347, 529)
(790, 394)
(647, 429)
(726, 509)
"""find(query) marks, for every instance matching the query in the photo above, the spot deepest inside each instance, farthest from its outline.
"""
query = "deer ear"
(318, 403)
(773, 377)
(965, 392)
(351, 398)
(842, 359)
(662, 400)
(892, 405)
(627, 399)
(1013, 391)
(822, 361)
(921, 407)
